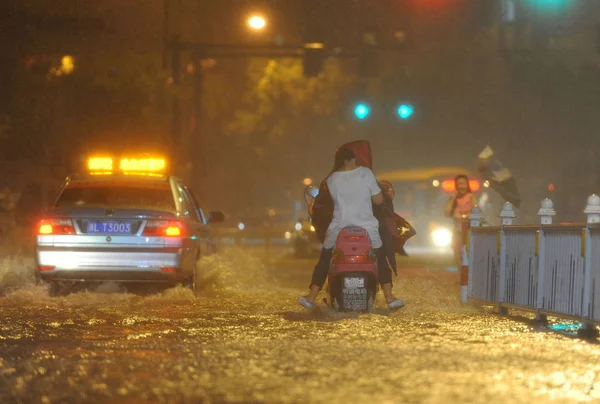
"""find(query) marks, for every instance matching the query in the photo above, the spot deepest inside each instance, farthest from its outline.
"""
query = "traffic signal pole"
(200, 51)
(313, 54)
(176, 106)
(195, 146)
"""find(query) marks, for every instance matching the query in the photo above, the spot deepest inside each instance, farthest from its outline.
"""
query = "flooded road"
(246, 340)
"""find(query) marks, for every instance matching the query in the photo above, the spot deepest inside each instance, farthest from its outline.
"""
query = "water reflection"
(245, 340)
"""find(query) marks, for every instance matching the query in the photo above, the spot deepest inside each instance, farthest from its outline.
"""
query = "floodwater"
(245, 340)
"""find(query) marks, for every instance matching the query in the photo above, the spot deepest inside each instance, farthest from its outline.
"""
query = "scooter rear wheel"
(348, 302)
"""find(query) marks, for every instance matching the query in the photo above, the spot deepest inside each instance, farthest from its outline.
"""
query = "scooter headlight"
(441, 237)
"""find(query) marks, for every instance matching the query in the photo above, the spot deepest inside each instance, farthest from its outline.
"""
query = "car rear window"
(119, 195)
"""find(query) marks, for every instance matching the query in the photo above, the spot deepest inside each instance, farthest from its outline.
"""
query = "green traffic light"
(405, 111)
(549, 5)
(361, 111)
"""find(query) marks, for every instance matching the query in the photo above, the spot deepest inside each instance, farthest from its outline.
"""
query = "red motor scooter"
(352, 282)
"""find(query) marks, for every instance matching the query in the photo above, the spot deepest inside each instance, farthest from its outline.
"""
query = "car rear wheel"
(55, 289)
(195, 283)
(198, 282)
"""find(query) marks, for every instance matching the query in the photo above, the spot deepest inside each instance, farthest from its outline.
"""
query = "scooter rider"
(354, 190)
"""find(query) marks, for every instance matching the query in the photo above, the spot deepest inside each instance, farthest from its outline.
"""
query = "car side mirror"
(216, 217)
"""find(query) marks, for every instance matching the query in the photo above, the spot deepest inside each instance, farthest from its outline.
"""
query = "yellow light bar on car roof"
(143, 174)
(146, 165)
(100, 164)
(101, 172)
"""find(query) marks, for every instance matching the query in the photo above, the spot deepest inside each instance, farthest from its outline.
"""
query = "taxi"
(124, 220)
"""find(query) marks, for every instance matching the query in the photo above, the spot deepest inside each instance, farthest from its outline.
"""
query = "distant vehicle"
(421, 195)
(303, 239)
(132, 224)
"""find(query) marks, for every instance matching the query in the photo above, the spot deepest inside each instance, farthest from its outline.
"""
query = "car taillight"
(339, 258)
(163, 228)
(173, 231)
(170, 269)
(56, 226)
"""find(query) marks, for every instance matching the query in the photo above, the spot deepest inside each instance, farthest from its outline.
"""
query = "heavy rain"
(162, 187)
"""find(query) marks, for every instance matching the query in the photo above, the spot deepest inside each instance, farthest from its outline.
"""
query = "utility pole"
(176, 107)
(166, 33)
(197, 155)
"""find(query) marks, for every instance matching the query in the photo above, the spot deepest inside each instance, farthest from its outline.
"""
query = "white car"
(123, 225)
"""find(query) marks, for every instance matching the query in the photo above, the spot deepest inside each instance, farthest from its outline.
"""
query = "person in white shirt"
(354, 190)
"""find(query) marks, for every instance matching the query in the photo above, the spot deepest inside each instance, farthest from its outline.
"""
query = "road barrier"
(550, 269)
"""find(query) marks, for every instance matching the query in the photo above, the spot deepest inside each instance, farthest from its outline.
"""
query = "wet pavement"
(246, 340)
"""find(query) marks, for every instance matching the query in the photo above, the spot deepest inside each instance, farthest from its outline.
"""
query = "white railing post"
(476, 217)
(507, 215)
(592, 210)
(546, 213)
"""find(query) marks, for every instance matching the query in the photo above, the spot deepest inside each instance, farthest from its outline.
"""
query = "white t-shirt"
(351, 192)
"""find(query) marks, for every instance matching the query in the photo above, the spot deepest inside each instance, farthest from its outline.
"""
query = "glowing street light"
(67, 64)
(257, 22)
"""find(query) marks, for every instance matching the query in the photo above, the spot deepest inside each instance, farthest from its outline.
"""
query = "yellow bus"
(420, 198)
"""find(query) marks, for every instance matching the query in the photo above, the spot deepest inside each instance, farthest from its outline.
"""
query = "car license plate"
(109, 228)
(354, 283)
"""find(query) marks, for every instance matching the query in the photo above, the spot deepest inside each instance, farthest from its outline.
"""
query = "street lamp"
(257, 23)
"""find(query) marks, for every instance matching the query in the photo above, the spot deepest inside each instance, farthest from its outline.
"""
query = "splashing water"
(238, 269)
(239, 272)
(245, 339)
(16, 271)
(230, 271)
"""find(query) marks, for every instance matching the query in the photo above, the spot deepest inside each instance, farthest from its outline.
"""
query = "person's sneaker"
(303, 301)
(396, 304)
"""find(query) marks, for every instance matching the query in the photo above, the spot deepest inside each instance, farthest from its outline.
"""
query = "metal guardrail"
(551, 269)
(483, 283)
(521, 266)
(594, 245)
(562, 271)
